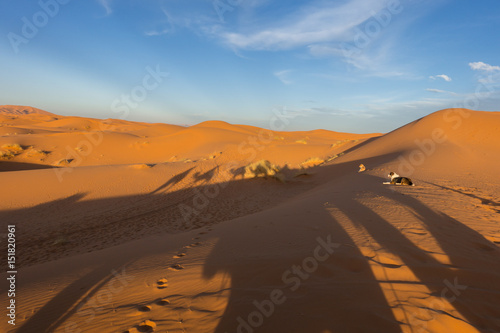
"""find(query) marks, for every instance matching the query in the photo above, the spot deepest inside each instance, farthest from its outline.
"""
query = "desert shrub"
(262, 168)
(37, 153)
(303, 141)
(340, 143)
(12, 147)
(331, 158)
(314, 161)
(6, 155)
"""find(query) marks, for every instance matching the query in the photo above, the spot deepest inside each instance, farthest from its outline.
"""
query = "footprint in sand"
(144, 308)
(144, 327)
(179, 255)
(163, 302)
(192, 245)
(162, 283)
(176, 267)
(419, 232)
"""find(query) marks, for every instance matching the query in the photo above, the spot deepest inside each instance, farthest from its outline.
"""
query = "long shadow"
(328, 298)
(56, 311)
(206, 176)
(86, 221)
(90, 220)
(333, 298)
(174, 180)
(484, 201)
(452, 236)
(20, 166)
(69, 300)
(341, 295)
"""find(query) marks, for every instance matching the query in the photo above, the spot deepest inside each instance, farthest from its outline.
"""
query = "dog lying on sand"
(398, 180)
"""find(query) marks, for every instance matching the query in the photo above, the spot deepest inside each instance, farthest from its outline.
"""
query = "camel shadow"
(334, 294)
(471, 256)
(282, 279)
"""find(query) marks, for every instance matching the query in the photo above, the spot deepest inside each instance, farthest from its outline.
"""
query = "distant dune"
(21, 110)
(95, 142)
(135, 227)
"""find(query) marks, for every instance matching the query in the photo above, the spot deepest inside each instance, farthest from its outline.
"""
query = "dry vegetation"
(263, 168)
(10, 150)
(37, 153)
(331, 158)
(312, 162)
(4, 155)
(13, 147)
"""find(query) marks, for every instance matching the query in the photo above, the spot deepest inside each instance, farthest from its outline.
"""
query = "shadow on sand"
(341, 295)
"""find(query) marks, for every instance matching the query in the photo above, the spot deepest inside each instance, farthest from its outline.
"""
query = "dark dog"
(398, 180)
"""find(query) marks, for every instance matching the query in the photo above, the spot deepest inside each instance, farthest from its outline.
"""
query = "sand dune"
(17, 110)
(137, 227)
(87, 142)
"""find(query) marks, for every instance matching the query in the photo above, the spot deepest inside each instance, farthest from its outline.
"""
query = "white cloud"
(283, 76)
(481, 66)
(308, 26)
(439, 91)
(442, 76)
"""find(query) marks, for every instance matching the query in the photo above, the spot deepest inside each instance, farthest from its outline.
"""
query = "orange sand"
(135, 227)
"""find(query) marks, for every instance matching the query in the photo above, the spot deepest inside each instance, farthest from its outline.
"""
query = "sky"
(358, 66)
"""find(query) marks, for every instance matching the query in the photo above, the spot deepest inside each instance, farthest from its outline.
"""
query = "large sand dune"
(138, 227)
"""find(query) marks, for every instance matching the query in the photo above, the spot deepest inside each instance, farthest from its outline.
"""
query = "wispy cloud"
(106, 4)
(489, 75)
(481, 66)
(309, 25)
(283, 76)
(365, 34)
(439, 91)
(442, 76)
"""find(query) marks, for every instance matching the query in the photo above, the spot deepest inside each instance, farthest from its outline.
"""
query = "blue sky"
(344, 65)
